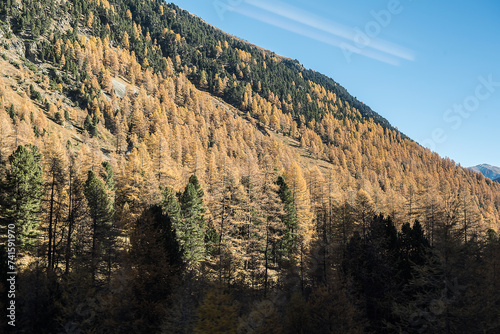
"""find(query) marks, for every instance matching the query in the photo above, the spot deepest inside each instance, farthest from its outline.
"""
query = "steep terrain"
(362, 148)
(182, 165)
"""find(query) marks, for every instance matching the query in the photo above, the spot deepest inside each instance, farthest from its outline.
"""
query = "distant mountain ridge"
(489, 171)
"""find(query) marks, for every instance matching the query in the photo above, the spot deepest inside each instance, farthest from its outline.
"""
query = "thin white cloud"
(309, 19)
(314, 34)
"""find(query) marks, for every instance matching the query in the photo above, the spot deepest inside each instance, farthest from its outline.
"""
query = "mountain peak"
(489, 171)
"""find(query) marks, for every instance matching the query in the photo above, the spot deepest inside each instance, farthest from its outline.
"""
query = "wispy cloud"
(323, 30)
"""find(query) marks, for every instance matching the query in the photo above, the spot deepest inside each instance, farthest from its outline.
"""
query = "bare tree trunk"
(70, 222)
(51, 238)
(266, 261)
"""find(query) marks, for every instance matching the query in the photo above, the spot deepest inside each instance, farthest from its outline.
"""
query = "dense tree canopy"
(197, 183)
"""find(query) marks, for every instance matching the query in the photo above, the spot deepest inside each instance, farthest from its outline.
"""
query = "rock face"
(31, 50)
(120, 88)
(18, 46)
(25, 49)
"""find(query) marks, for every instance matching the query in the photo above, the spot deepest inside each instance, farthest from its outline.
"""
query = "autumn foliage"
(217, 198)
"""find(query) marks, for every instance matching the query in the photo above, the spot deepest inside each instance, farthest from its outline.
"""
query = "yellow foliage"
(90, 21)
(217, 314)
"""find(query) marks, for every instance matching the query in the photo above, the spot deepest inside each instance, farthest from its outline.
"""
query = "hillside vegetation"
(164, 176)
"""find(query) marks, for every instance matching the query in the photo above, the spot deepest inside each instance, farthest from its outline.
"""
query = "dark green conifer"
(191, 231)
(21, 195)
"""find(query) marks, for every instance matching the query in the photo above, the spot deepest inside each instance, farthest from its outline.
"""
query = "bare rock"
(31, 50)
(18, 46)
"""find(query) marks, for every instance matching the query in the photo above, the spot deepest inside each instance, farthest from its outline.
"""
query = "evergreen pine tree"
(155, 259)
(192, 230)
(171, 206)
(101, 212)
(21, 195)
(109, 176)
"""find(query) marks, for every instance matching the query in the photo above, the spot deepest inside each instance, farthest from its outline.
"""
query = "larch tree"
(125, 41)
(120, 133)
(324, 203)
(296, 181)
(203, 79)
(344, 221)
(100, 213)
(139, 123)
(470, 228)
(55, 171)
(364, 209)
(229, 219)
(76, 207)
(217, 314)
(252, 223)
(271, 208)
(136, 188)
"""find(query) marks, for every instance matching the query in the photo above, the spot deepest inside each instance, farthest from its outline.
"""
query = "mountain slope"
(196, 183)
(158, 49)
(488, 171)
(224, 60)
(201, 35)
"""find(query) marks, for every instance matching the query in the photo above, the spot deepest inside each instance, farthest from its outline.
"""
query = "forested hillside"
(160, 176)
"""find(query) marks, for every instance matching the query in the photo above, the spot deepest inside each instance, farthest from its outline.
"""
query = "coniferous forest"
(160, 176)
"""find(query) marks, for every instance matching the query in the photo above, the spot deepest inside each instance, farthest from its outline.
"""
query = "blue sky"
(431, 68)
